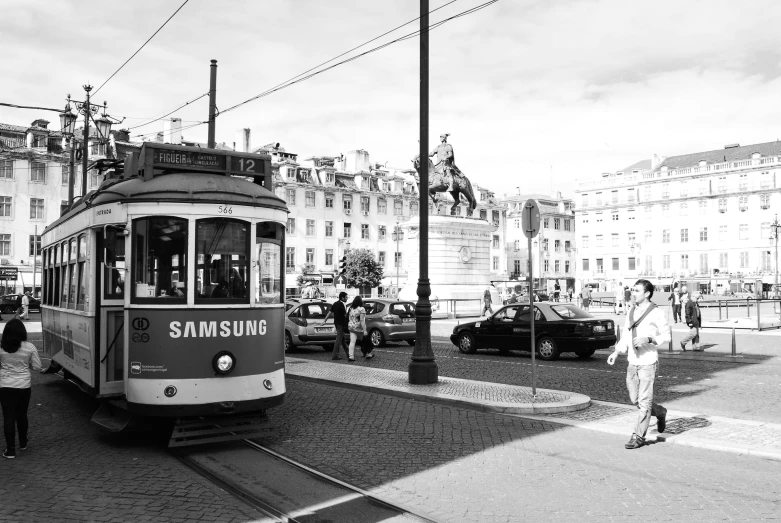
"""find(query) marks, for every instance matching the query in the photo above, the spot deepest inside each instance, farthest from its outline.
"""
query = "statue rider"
(445, 157)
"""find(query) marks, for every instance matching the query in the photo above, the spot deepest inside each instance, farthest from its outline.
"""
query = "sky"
(536, 95)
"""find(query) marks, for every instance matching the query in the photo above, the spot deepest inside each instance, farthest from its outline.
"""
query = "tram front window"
(269, 237)
(160, 251)
(222, 252)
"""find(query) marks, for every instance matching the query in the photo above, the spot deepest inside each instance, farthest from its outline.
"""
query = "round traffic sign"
(530, 219)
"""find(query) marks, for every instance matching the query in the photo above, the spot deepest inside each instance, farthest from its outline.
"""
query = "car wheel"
(411, 343)
(466, 343)
(376, 338)
(288, 342)
(8, 310)
(547, 349)
(585, 353)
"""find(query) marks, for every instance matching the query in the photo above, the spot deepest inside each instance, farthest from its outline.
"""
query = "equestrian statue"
(445, 176)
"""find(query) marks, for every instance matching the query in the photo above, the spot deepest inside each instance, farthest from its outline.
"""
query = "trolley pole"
(212, 103)
(423, 367)
(85, 145)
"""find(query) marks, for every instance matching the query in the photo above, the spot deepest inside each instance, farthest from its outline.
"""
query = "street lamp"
(397, 235)
(775, 225)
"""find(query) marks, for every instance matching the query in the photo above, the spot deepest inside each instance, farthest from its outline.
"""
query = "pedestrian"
(585, 296)
(570, 291)
(675, 298)
(627, 298)
(356, 321)
(339, 313)
(487, 302)
(24, 315)
(694, 321)
(618, 299)
(18, 358)
(556, 291)
(645, 330)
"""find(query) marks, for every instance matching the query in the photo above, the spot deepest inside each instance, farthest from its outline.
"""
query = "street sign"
(9, 273)
(340, 280)
(530, 218)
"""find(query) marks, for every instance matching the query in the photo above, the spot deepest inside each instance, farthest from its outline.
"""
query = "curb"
(576, 401)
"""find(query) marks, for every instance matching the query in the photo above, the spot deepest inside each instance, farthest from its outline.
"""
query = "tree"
(362, 269)
(306, 275)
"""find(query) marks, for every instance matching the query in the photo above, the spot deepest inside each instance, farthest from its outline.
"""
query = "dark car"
(10, 303)
(390, 320)
(558, 327)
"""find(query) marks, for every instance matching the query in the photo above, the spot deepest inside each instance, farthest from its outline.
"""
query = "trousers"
(694, 336)
(676, 313)
(341, 340)
(640, 383)
(15, 403)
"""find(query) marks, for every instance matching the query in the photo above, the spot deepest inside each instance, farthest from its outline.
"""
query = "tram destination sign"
(197, 159)
(188, 159)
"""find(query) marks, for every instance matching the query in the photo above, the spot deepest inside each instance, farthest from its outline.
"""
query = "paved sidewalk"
(488, 397)
(683, 428)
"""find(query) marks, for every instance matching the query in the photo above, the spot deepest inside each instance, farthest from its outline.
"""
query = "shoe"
(661, 423)
(698, 350)
(635, 442)
(351, 360)
(22, 446)
(8, 453)
(683, 347)
(370, 356)
(336, 358)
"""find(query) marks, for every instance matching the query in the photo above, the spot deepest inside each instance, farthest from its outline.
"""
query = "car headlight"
(223, 362)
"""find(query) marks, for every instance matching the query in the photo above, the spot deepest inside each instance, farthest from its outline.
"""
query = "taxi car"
(558, 328)
(303, 319)
(390, 320)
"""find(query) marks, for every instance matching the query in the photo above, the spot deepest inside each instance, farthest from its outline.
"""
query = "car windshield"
(402, 308)
(316, 310)
(570, 311)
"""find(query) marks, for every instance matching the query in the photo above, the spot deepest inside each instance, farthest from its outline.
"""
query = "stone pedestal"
(459, 262)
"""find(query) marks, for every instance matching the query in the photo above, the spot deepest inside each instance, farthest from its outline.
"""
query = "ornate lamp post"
(775, 225)
(68, 122)
(397, 235)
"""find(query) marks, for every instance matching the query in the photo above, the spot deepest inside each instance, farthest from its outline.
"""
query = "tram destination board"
(196, 159)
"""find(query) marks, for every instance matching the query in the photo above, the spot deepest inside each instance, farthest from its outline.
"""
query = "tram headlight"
(223, 362)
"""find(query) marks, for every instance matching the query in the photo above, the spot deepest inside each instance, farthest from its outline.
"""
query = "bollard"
(748, 308)
(670, 345)
(759, 321)
(734, 348)
(719, 310)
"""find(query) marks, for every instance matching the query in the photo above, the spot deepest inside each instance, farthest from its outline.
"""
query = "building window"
(381, 258)
(722, 184)
(546, 266)
(744, 260)
(599, 241)
(584, 241)
(764, 230)
(764, 180)
(631, 214)
(329, 257)
(63, 206)
(647, 193)
(615, 264)
(382, 206)
(722, 233)
(684, 235)
(496, 263)
(648, 237)
(630, 238)
(684, 189)
(36, 209)
(329, 201)
(290, 259)
(743, 231)
(557, 223)
(310, 255)
(517, 245)
(630, 196)
(585, 264)
(703, 234)
(600, 266)
(556, 266)
(35, 245)
(684, 208)
(722, 205)
(666, 236)
(5, 244)
(347, 230)
(599, 217)
(614, 197)
(364, 231)
(347, 202)
(567, 247)
(666, 209)
(649, 263)
(743, 182)
(648, 210)
(329, 229)
(684, 261)
(703, 206)
(764, 201)
(95, 178)
(566, 225)
(5, 206)
(290, 196)
(665, 261)
(310, 198)
(743, 203)
(599, 199)
(38, 172)
(397, 259)
(7, 169)
(413, 208)
(310, 227)
(398, 207)
(723, 260)
(381, 231)
(703, 263)
(483, 214)
(329, 178)
(545, 244)
(631, 263)
(365, 204)
(614, 240)
(496, 242)
(766, 264)
(666, 190)
(291, 226)
(557, 245)
(545, 223)
(65, 174)
(566, 266)
(495, 216)
(291, 173)
(614, 216)
(585, 200)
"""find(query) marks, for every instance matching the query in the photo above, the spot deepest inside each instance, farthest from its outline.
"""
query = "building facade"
(553, 250)
(703, 216)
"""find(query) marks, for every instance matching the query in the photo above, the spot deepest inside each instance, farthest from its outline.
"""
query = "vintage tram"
(163, 290)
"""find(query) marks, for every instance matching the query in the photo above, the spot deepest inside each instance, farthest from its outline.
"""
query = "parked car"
(390, 320)
(558, 327)
(10, 303)
(303, 319)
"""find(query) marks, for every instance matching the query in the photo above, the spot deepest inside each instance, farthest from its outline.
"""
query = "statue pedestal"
(459, 263)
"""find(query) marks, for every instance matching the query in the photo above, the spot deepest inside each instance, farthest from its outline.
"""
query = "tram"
(163, 290)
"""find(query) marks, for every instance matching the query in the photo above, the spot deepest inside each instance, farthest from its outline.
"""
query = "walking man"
(25, 306)
(339, 312)
(693, 320)
(645, 330)
(585, 296)
(675, 298)
(487, 302)
(556, 291)
(619, 299)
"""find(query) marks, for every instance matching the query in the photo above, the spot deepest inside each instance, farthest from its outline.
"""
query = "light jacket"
(16, 367)
(655, 326)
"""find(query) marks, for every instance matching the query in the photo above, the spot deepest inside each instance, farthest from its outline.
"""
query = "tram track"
(284, 490)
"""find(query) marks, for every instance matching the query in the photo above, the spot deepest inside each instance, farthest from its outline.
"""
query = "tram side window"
(81, 303)
(269, 237)
(160, 259)
(56, 280)
(114, 274)
(64, 278)
(222, 266)
(72, 271)
(44, 276)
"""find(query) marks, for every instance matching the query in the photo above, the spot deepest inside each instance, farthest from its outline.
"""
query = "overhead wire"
(300, 78)
(139, 49)
(168, 113)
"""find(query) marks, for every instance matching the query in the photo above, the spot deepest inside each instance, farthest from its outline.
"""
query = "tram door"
(110, 303)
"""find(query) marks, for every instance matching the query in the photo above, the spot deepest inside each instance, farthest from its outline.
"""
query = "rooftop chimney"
(43, 124)
(732, 146)
(172, 131)
(243, 144)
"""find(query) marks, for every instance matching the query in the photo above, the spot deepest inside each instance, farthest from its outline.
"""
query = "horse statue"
(438, 183)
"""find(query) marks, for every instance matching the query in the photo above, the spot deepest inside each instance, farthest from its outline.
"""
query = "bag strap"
(633, 324)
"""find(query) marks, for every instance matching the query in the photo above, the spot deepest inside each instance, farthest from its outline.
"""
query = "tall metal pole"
(212, 103)
(85, 145)
(72, 167)
(423, 369)
(35, 256)
(775, 287)
(531, 320)
(397, 258)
